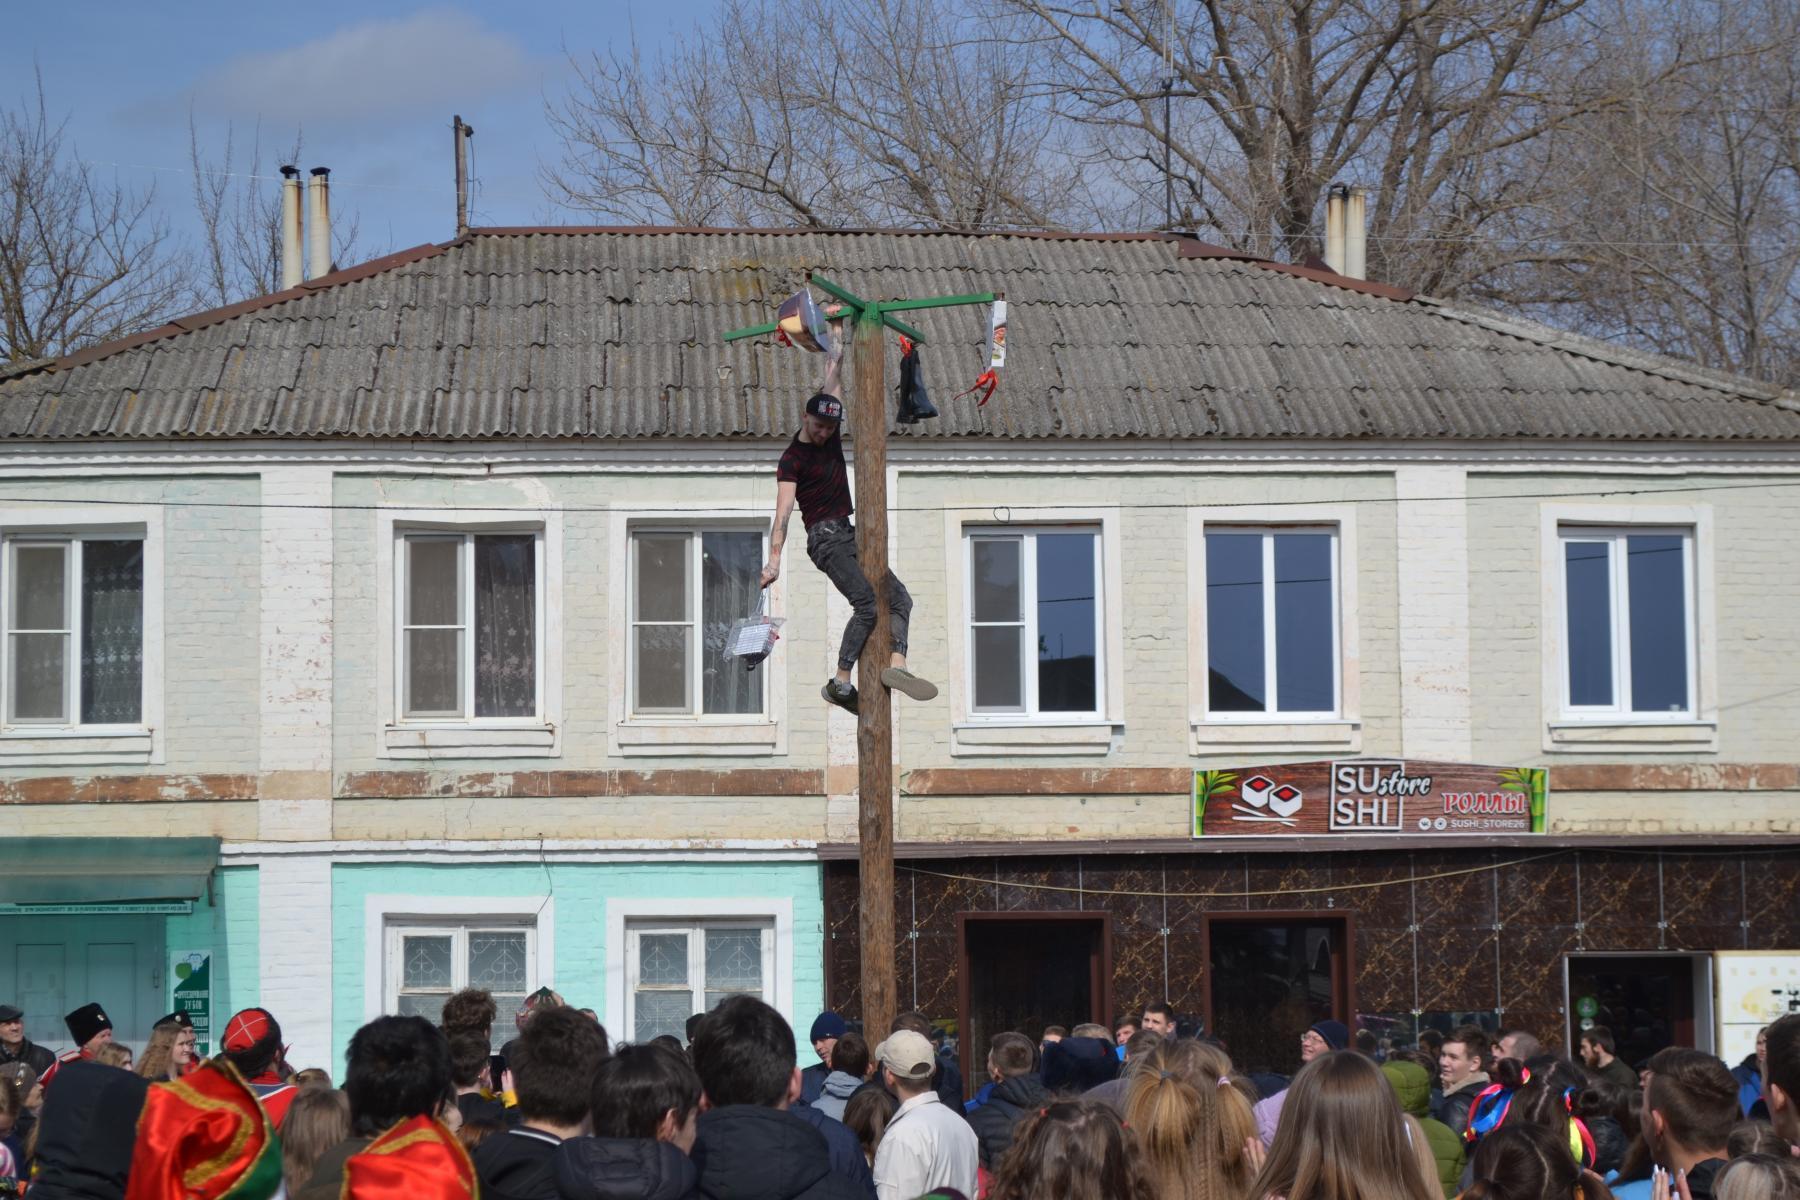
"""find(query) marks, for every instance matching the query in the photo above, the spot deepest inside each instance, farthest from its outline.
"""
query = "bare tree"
(82, 260)
(239, 254)
(819, 114)
(1678, 210)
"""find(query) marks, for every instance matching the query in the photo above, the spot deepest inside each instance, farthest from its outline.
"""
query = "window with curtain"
(1035, 618)
(1272, 622)
(676, 969)
(1628, 621)
(74, 617)
(687, 588)
(470, 634)
(428, 960)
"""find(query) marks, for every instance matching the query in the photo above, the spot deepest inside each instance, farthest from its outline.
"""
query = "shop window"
(1272, 620)
(1035, 622)
(1628, 622)
(428, 962)
(471, 637)
(74, 630)
(678, 968)
(687, 589)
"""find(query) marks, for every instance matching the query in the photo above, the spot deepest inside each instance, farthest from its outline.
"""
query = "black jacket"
(1454, 1110)
(1076, 1064)
(327, 1182)
(475, 1107)
(29, 1053)
(88, 1131)
(749, 1153)
(591, 1168)
(812, 1081)
(1008, 1104)
(519, 1164)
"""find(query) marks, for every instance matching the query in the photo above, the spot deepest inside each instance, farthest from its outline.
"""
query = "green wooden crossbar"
(872, 310)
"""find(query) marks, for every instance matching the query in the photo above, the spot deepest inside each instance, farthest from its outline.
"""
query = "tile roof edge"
(1192, 247)
(791, 231)
(214, 316)
(1627, 357)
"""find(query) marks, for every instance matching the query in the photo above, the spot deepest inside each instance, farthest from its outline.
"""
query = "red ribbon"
(989, 380)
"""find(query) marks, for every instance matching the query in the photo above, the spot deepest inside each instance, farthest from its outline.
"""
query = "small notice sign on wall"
(1367, 796)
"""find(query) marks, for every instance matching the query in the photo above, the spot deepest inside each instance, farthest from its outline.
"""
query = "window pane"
(506, 625)
(998, 681)
(431, 582)
(1589, 582)
(730, 578)
(497, 960)
(1234, 623)
(733, 960)
(662, 577)
(433, 672)
(37, 676)
(425, 962)
(1303, 631)
(112, 632)
(39, 599)
(662, 668)
(657, 1013)
(506, 1018)
(1068, 679)
(662, 959)
(995, 573)
(1657, 580)
(428, 1005)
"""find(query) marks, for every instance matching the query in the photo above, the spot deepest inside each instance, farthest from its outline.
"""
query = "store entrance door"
(1269, 976)
(1022, 972)
(56, 964)
(1647, 1001)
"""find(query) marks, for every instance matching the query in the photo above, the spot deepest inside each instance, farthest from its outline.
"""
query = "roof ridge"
(1063, 235)
(1629, 357)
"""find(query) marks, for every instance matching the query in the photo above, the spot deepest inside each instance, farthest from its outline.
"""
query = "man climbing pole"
(812, 474)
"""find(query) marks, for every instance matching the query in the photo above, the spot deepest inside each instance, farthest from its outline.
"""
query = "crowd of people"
(1146, 1110)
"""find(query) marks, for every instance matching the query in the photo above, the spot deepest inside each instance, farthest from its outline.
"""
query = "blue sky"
(372, 87)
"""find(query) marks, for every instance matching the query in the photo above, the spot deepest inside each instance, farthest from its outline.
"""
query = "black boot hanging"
(915, 405)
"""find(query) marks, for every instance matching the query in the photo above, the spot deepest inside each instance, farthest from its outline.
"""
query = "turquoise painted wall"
(228, 927)
(580, 891)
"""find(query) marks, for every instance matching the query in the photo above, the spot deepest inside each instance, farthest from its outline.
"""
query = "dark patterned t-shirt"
(822, 484)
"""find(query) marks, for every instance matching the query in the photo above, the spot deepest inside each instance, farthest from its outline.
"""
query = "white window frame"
(1277, 731)
(693, 534)
(695, 735)
(1027, 537)
(402, 737)
(626, 917)
(1616, 728)
(385, 915)
(71, 743)
(695, 928)
(1022, 734)
(458, 932)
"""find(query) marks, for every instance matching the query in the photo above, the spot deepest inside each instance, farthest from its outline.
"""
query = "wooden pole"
(875, 726)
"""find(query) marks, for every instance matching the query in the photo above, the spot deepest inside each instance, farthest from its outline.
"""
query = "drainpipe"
(290, 228)
(318, 232)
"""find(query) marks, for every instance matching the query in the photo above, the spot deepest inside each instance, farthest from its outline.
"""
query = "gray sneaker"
(841, 694)
(903, 680)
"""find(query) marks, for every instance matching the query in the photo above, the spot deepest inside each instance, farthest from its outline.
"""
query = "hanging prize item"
(915, 405)
(990, 378)
(800, 323)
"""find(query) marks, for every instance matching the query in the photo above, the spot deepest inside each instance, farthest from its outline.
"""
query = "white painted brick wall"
(296, 628)
(1432, 564)
(295, 936)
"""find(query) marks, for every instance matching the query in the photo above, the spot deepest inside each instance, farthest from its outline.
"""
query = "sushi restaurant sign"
(1369, 795)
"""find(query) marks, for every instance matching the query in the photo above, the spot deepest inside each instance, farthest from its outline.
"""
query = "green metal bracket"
(872, 310)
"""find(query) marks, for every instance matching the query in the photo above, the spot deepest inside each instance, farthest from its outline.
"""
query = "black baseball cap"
(825, 405)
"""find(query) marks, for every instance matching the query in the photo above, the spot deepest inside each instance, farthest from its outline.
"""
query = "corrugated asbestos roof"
(614, 333)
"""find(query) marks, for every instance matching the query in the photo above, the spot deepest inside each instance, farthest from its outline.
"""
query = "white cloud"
(432, 59)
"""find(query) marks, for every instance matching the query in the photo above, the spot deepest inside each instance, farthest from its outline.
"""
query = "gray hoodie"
(836, 1094)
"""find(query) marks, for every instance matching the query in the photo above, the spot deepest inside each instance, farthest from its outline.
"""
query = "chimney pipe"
(1334, 226)
(318, 222)
(290, 228)
(1356, 234)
